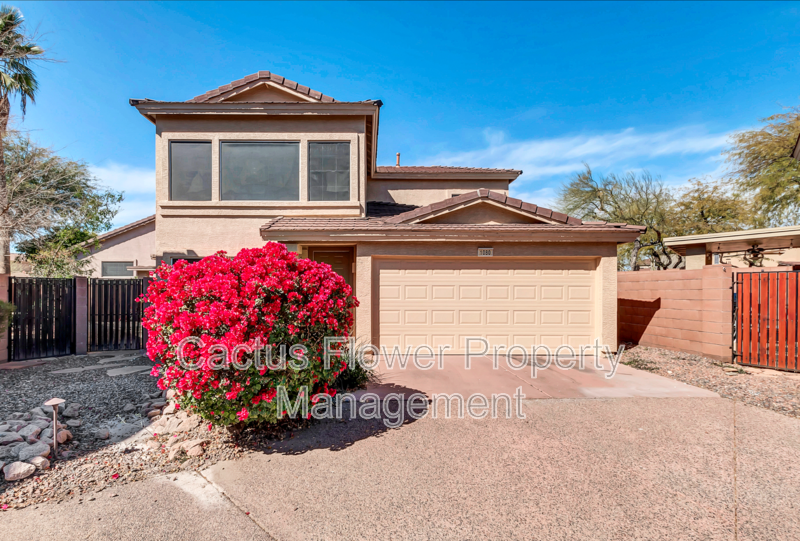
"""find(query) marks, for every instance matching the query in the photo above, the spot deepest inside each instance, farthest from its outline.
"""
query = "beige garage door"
(526, 302)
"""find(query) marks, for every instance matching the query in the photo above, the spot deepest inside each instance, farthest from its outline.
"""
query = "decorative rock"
(170, 394)
(16, 415)
(153, 413)
(40, 462)
(47, 440)
(30, 451)
(37, 412)
(18, 470)
(189, 424)
(160, 404)
(197, 450)
(41, 423)
(5, 428)
(102, 434)
(174, 452)
(157, 394)
(26, 417)
(170, 410)
(16, 425)
(9, 437)
(194, 443)
(74, 423)
(46, 433)
(152, 444)
(7, 451)
(72, 410)
(30, 431)
(64, 436)
(128, 408)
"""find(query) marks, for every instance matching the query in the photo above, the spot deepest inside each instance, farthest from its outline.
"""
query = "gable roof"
(395, 221)
(125, 228)
(255, 79)
(500, 199)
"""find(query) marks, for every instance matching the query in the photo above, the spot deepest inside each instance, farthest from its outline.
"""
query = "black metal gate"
(115, 317)
(43, 325)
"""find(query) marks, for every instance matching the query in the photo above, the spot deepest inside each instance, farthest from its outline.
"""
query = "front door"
(340, 258)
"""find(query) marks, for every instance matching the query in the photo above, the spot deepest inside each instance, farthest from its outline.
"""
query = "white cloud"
(139, 185)
(563, 155)
(126, 178)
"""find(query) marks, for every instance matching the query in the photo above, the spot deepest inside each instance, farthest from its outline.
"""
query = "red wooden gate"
(765, 319)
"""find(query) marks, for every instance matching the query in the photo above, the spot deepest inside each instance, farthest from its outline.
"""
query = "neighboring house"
(435, 254)
(778, 245)
(125, 252)
(20, 269)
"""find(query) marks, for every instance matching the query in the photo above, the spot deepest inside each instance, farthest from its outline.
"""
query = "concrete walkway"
(632, 468)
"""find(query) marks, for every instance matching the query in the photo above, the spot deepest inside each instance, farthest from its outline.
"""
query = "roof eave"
(511, 176)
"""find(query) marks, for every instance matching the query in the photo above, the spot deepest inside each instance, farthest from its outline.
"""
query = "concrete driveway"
(681, 464)
(484, 375)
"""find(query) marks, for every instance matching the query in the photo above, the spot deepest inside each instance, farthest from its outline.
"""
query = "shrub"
(264, 296)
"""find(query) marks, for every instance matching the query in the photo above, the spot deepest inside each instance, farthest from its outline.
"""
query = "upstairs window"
(190, 171)
(259, 171)
(329, 171)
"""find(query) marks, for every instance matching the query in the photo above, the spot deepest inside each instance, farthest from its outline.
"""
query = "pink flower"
(243, 415)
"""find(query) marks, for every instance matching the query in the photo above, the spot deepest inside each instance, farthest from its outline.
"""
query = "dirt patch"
(769, 389)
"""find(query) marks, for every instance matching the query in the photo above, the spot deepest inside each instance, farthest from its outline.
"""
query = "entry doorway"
(340, 258)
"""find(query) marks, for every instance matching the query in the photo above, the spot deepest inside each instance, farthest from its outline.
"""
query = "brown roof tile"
(373, 224)
(268, 76)
(483, 194)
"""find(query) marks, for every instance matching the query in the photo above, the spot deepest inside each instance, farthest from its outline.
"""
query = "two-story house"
(435, 254)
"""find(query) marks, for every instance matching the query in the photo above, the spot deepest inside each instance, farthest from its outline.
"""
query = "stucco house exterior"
(125, 252)
(435, 254)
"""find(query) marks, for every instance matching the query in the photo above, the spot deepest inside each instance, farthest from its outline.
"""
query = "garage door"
(526, 302)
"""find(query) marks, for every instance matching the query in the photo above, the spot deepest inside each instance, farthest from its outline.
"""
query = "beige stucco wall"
(483, 213)
(605, 255)
(204, 227)
(425, 192)
(136, 245)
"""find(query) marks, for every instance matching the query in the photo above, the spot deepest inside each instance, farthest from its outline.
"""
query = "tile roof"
(382, 216)
(441, 169)
(282, 223)
(483, 194)
(265, 76)
(125, 228)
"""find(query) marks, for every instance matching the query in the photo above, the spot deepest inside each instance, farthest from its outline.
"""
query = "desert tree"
(55, 207)
(762, 168)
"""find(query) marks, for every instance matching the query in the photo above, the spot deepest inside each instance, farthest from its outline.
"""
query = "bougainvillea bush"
(263, 296)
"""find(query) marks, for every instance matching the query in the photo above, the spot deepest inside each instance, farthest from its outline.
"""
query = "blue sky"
(541, 87)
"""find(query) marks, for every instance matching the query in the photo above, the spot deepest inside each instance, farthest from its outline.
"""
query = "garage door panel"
(525, 302)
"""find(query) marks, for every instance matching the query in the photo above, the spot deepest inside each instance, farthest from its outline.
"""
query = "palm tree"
(17, 54)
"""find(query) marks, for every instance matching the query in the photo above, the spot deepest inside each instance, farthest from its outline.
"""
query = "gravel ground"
(90, 465)
(770, 389)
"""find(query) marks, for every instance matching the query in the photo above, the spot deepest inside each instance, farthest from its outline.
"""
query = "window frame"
(210, 143)
(308, 170)
(358, 168)
(299, 145)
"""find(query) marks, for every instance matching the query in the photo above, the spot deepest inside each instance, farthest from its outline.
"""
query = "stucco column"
(363, 293)
(606, 288)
